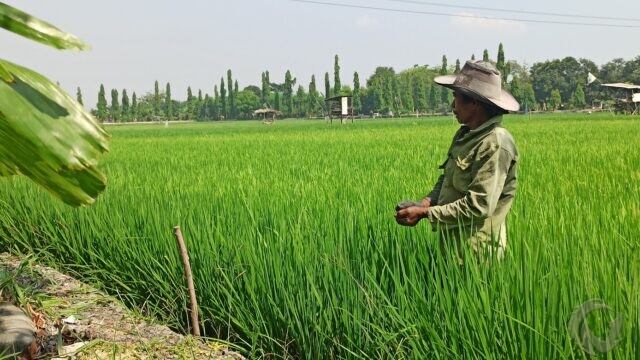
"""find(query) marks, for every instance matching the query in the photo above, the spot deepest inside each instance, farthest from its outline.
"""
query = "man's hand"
(409, 213)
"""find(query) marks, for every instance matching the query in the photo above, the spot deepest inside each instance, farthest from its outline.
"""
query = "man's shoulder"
(500, 138)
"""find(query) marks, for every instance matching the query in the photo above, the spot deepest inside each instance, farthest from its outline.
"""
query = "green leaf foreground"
(46, 135)
(33, 28)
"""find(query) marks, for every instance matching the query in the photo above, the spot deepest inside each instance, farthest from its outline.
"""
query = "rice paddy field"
(296, 253)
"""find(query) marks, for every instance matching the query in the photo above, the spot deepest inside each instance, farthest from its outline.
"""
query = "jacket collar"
(487, 125)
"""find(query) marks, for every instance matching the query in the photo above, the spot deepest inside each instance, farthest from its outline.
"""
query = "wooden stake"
(195, 325)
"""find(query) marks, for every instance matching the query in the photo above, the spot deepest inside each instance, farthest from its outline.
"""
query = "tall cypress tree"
(190, 108)
(419, 99)
(473, 56)
(263, 91)
(433, 98)
(327, 86)
(327, 90)
(336, 77)
(216, 103)
(500, 64)
(125, 105)
(299, 102)
(168, 106)
(134, 107)
(485, 55)
(287, 94)
(79, 96)
(313, 96)
(232, 101)
(235, 97)
(200, 106)
(444, 94)
(115, 106)
(396, 96)
(457, 69)
(156, 99)
(276, 101)
(206, 108)
(406, 96)
(223, 98)
(102, 104)
(357, 104)
(266, 89)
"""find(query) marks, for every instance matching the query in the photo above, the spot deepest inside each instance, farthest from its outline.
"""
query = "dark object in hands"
(405, 204)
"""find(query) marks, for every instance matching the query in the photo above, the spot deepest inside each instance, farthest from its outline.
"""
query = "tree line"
(547, 85)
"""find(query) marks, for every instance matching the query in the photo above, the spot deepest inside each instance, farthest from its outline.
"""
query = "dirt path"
(93, 325)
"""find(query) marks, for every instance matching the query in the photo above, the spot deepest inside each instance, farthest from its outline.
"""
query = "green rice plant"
(295, 251)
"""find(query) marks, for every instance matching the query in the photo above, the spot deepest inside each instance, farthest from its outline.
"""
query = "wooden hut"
(340, 106)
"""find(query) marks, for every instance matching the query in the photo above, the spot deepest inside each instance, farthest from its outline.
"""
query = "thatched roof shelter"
(268, 115)
(265, 112)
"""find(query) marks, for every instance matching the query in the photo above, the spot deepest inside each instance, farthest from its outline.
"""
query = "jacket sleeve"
(488, 173)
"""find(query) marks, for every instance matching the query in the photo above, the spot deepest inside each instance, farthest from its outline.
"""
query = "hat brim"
(506, 101)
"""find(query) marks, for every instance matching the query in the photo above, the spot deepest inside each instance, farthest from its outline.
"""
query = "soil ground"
(74, 317)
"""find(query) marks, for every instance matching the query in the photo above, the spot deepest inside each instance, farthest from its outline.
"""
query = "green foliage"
(577, 98)
(433, 97)
(299, 103)
(79, 96)
(357, 102)
(102, 104)
(276, 101)
(49, 137)
(168, 104)
(501, 65)
(314, 101)
(223, 98)
(456, 70)
(327, 86)
(134, 107)
(555, 99)
(287, 94)
(563, 75)
(231, 114)
(114, 109)
(247, 101)
(33, 28)
(266, 88)
(156, 99)
(523, 92)
(445, 93)
(126, 111)
(381, 97)
(485, 55)
(337, 86)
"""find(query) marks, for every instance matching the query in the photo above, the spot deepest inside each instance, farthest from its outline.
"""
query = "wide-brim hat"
(480, 80)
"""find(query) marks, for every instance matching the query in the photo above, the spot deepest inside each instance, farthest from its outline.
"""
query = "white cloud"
(468, 21)
(366, 22)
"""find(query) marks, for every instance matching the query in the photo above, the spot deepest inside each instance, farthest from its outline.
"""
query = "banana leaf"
(33, 28)
(49, 137)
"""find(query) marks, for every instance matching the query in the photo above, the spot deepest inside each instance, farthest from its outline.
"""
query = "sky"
(194, 42)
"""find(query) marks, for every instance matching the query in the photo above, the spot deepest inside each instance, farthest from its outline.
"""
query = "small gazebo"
(267, 115)
(340, 106)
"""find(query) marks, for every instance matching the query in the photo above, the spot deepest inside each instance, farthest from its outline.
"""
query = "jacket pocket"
(462, 172)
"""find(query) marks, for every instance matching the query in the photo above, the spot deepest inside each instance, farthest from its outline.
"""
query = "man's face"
(463, 110)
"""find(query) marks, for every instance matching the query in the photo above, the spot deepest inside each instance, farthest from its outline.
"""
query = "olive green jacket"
(475, 193)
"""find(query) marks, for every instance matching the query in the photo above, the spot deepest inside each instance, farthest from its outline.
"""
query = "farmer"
(470, 201)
